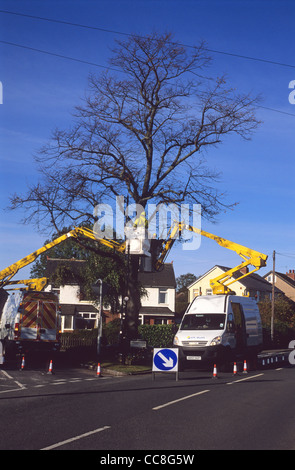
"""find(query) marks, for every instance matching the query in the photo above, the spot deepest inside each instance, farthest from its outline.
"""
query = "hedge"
(157, 336)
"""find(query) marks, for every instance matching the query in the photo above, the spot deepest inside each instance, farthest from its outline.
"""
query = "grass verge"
(127, 369)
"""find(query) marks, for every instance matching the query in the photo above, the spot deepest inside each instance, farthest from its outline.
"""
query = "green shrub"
(111, 330)
(157, 336)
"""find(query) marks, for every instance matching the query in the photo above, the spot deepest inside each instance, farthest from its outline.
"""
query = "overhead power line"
(287, 255)
(59, 55)
(62, 56)
(215, 51)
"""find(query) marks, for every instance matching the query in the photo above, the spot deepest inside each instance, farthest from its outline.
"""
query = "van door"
(29, 319)
(47, 320)
(240, 327)
(38, 320)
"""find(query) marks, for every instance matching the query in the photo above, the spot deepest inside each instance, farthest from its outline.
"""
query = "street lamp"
(122, 339)
(98, 289)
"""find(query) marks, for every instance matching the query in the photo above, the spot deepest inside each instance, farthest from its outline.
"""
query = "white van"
(29, 323)
(219, 329)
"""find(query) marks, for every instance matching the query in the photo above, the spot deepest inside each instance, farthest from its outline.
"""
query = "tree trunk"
(133, 303)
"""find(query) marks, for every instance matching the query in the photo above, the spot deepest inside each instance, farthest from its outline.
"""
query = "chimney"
(244, 270)
(291, 274)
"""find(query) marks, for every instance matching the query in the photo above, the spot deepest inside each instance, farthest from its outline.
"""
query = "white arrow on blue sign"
(165, 360)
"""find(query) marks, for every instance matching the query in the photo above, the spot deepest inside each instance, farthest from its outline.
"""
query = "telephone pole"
(273, 297)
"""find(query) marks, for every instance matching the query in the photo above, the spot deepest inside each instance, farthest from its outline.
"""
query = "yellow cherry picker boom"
(29, 317)
(37, 284)
(223, 327)
(220, 284)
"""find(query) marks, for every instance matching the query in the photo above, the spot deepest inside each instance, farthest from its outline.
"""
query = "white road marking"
(242, 380)
(180, 399)
(67, 441)
(13, 390)
(20, 385)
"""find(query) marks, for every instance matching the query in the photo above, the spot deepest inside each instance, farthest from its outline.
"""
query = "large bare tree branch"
(141, 133)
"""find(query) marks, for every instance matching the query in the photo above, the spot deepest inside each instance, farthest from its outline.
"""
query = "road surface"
(73, 409)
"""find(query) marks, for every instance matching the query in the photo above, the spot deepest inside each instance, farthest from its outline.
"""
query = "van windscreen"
(203, 321)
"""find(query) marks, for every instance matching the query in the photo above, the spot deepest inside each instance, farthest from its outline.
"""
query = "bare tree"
(143, 132)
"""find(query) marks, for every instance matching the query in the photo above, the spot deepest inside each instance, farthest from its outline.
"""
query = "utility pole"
(273, 296)
(97, 289)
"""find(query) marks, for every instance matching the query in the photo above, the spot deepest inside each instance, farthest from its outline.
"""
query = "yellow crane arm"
(86, 232)
(37, 284)
(219, 284)
(7, 273)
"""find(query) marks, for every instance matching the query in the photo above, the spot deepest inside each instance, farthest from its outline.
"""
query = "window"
(257, 296)
(85, 321)
(163, 296)
(68, 322)
(160, 321)
(195, 293)
(203, 321)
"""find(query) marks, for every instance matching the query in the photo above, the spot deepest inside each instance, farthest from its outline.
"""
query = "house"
(284, 282)
(252, 285)
(75, 312)
(158, 305)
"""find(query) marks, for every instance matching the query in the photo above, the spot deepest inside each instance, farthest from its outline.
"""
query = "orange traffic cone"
(235, 371)
(214, 372)
(50, 368)
(245, 371)
(98, 370)
(23, 363)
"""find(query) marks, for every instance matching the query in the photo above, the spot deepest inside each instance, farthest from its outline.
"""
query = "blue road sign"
(165, 360)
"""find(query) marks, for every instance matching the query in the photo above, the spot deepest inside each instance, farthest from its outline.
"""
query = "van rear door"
(29, 319)
(47, 320)
(39, 317)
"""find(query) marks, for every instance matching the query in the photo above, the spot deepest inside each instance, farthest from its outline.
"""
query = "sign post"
(165, 360)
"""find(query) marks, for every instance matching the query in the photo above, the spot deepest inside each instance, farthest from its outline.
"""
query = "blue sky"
(41, 90)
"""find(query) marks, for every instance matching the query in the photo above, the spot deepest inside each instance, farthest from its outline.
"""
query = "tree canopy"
(142, 131)
(184, 280)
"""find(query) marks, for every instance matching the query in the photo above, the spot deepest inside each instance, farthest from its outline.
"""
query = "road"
(73, 409)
